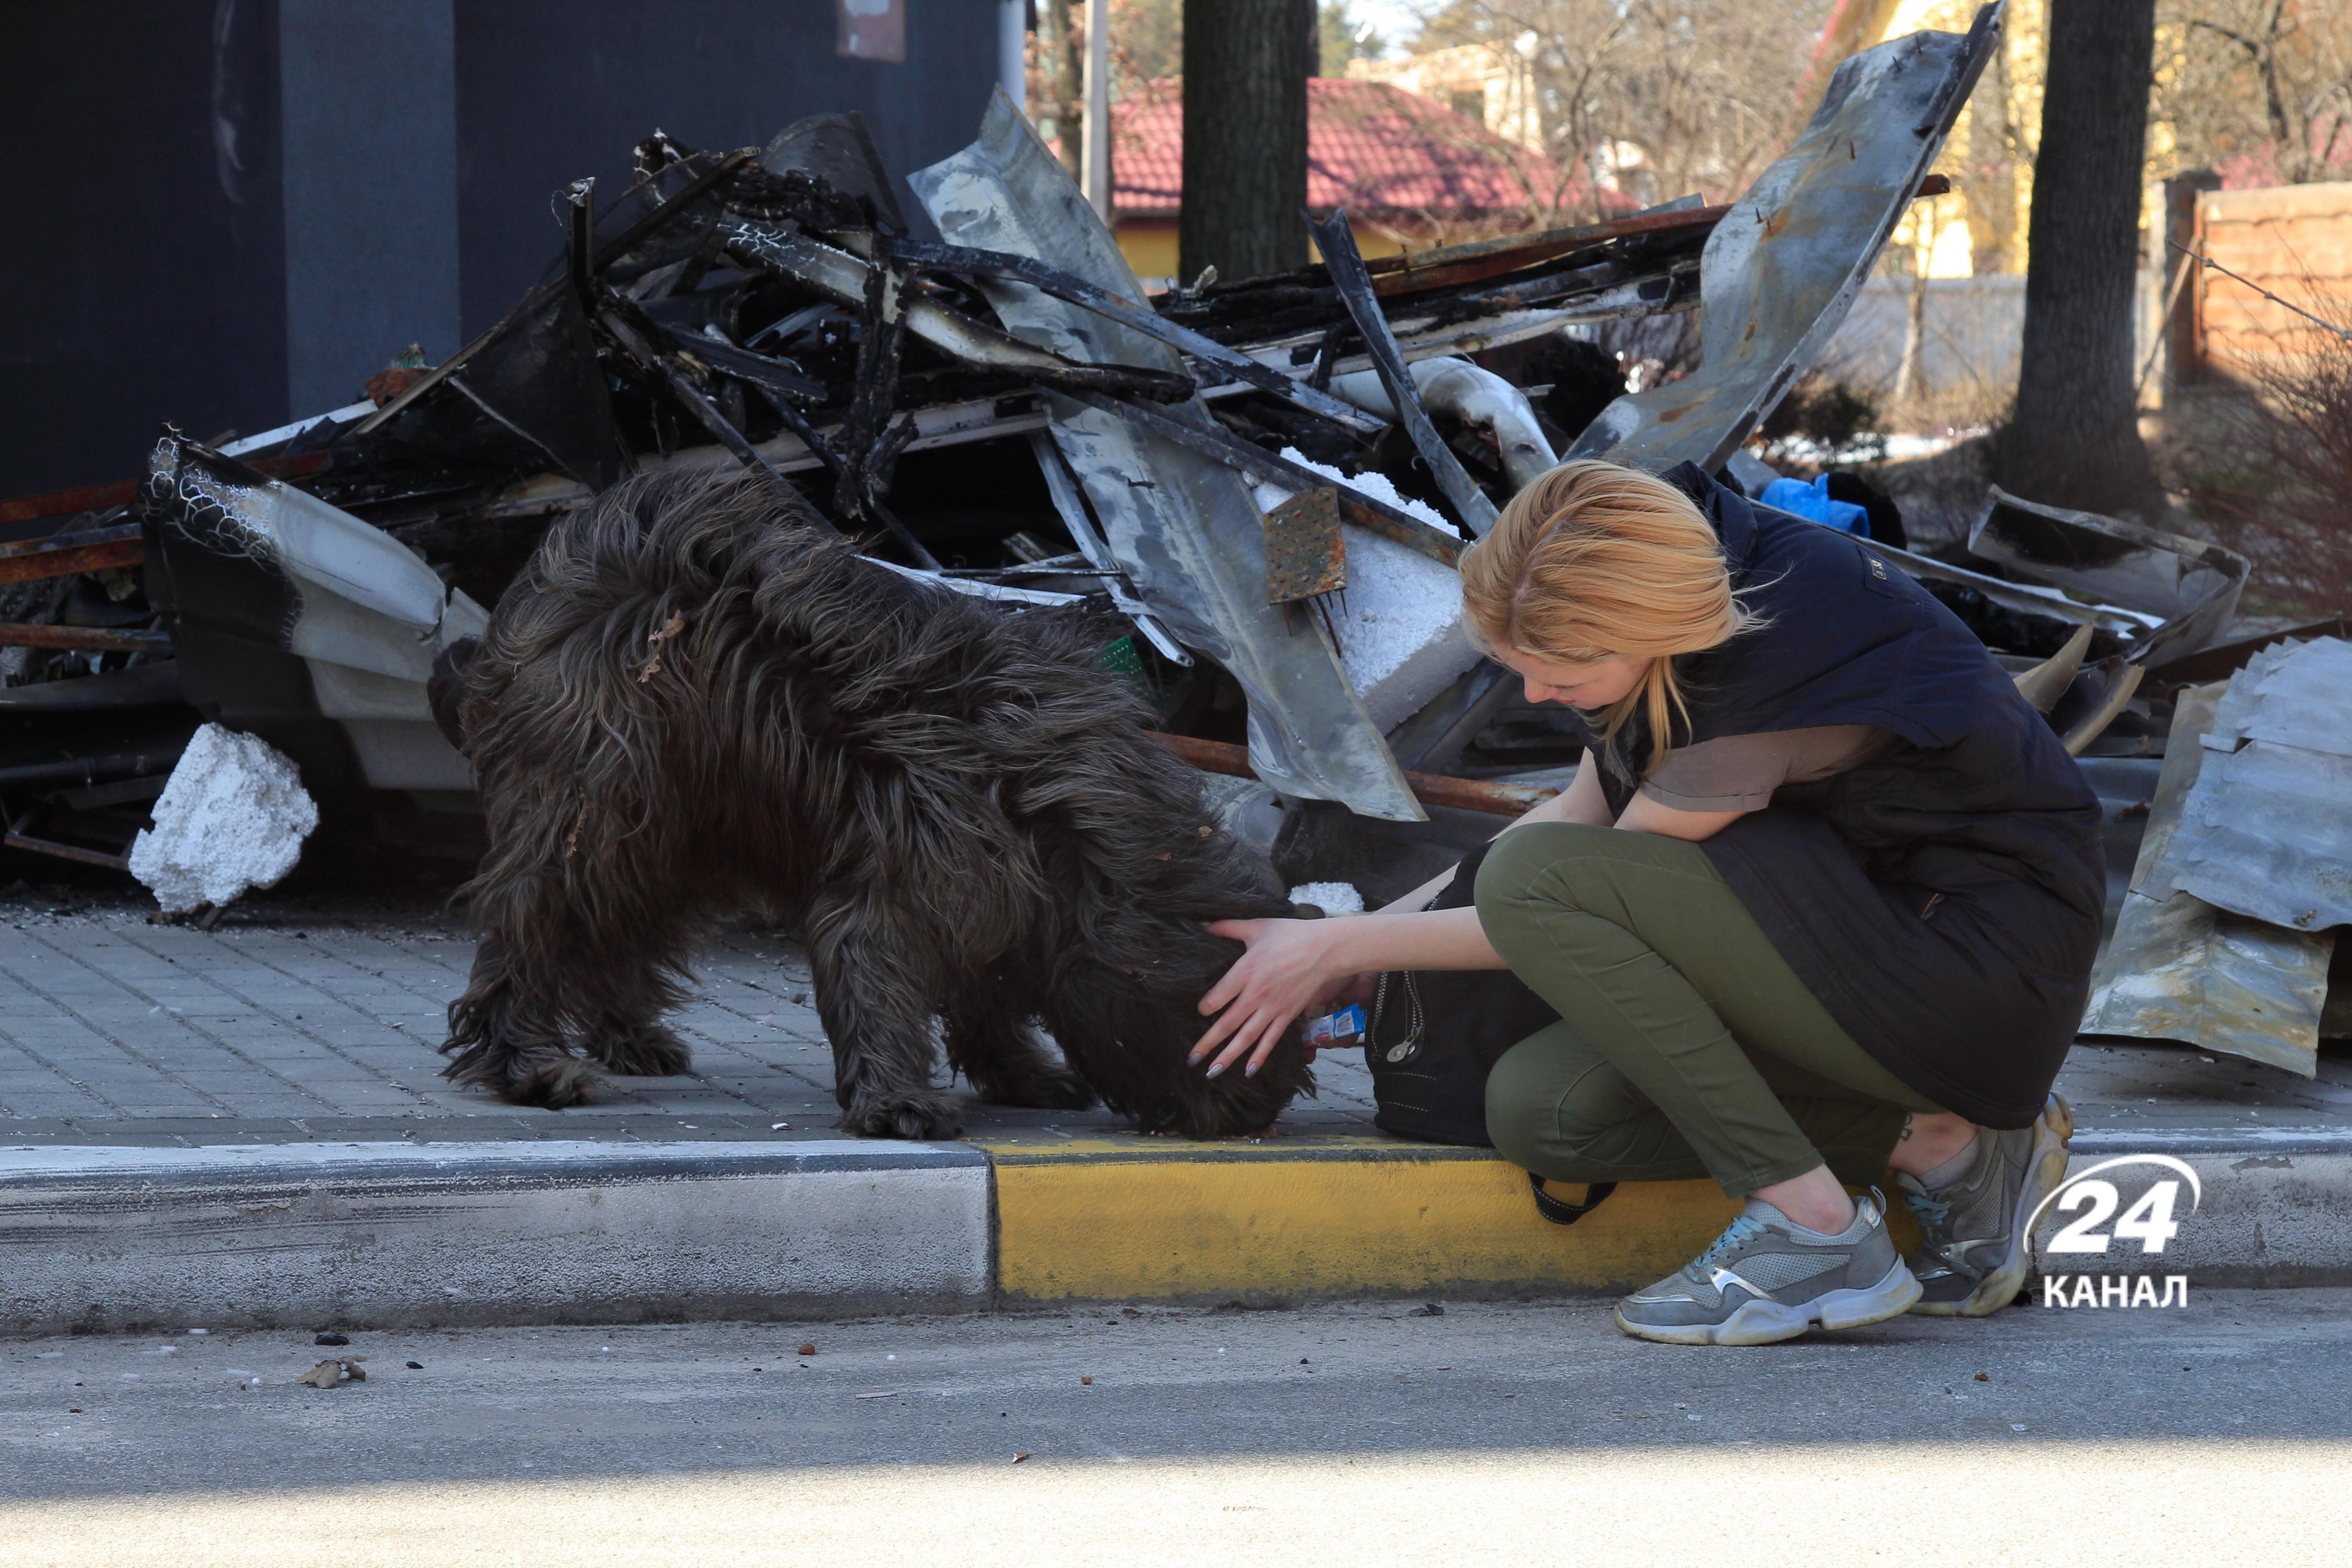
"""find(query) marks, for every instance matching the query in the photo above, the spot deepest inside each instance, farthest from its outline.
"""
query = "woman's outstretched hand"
(1291, 966)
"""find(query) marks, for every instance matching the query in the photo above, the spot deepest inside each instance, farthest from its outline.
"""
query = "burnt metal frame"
(1221, 444)
(1472, 507)
(1127, 313)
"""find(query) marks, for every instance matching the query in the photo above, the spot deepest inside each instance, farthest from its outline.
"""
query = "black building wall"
(142, 253)
(550, 90)
(229, 213)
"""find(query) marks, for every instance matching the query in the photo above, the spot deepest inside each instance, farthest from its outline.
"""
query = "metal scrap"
(1475, 397)
(255, 576)
(2177, 968)
(2191, 587)
(2267, 830)
(1183, 525)
(766, 308)
(1472, 507)
(1304, 554)
(1782, 268)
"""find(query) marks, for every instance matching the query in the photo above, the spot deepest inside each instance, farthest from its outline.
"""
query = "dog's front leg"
(1001, 1054)
(875, 1004)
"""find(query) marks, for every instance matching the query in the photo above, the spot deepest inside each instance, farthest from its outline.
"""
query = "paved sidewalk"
(301, 1019)
(248, 1125)
(316, 1018)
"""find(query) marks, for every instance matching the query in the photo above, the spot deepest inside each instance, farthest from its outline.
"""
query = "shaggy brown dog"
(695, 702)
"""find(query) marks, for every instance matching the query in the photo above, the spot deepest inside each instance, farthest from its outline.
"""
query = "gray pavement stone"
(314, 1017)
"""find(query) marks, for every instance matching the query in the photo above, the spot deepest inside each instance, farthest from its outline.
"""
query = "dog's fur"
(693, 702)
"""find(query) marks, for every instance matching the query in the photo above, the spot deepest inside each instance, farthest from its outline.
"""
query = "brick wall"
(2295, 241)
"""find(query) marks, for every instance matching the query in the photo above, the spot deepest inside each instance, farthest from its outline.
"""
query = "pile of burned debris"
(1270, 479)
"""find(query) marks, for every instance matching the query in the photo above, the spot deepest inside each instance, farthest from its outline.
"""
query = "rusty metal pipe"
(28, 565)
(92, 639)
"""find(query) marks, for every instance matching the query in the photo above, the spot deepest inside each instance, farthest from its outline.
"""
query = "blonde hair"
(1593, 560)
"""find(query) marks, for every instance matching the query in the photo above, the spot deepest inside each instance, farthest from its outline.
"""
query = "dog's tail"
(445, 690)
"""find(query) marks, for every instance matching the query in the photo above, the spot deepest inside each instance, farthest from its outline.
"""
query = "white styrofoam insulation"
(233, 816)
(1401, 637)
(1332, 898)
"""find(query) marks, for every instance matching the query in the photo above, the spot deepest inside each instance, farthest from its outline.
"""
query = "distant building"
(1412, 173)
(1490, 85)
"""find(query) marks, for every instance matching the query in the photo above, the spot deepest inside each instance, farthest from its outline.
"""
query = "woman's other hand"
(1286, 970)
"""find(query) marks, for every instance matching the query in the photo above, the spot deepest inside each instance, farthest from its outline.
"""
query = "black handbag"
(1431, 1037)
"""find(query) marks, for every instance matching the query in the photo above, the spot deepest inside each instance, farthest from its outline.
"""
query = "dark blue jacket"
(1942, 901)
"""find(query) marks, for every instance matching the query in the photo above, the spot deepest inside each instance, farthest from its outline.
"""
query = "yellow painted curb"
(1129, 1217)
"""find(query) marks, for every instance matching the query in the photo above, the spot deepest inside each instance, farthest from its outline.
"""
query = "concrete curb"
(385, 1234)
(2276, 1209)
(389, 1235)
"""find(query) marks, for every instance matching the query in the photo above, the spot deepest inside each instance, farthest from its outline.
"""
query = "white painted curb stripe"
(398, 1234)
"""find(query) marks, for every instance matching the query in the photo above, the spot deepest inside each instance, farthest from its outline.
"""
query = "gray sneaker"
(1976, 1249)
(1761, 1283)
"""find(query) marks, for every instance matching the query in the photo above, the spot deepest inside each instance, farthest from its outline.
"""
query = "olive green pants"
(1686, 1046)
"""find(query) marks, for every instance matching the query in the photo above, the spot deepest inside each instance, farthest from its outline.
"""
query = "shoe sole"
(1764, 1321)
(2044, 1169)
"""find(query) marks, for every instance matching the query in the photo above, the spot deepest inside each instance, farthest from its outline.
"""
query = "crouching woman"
(1823, 897)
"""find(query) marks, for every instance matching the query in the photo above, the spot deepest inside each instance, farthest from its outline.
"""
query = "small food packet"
(1336, 1030)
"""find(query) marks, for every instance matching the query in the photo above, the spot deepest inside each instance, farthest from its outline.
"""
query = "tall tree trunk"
(1246, 68)
(2075, 440)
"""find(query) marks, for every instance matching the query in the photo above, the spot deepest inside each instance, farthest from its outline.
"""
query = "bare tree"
(2268, 82)
(1662, 97)
(1057, 78)
(2075, 437)
(1147, 40)
(2278, 476)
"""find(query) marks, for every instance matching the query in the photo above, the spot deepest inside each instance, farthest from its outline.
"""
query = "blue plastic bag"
(1811, 502)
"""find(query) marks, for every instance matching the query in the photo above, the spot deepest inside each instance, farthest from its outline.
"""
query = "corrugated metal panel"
(2179, 969)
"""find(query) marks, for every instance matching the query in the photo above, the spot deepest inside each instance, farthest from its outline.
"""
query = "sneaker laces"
(1934, 1217)
(1932, 1213)
(1737, 1235)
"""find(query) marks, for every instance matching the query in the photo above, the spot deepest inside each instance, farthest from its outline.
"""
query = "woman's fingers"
(1230, 984)
(1265, 1049)
(1224, 1024)
(1239, 1044)
(1255, 1001)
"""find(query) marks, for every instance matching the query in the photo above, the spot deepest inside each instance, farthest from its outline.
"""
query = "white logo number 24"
(2149, 1222)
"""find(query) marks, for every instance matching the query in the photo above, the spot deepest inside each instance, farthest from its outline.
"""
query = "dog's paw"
(647, 1051)
(550, 1081)
(1045, 1088)
(913, 1115)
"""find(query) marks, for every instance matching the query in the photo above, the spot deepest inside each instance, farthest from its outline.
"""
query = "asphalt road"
(1349, 1434)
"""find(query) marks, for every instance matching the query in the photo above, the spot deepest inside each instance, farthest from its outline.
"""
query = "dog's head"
(1138, 961)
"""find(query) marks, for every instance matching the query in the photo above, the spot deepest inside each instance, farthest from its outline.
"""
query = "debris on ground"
(335, 1370)
(2228, 931)
(233, 816)
(2266, 831)
(1268, 482)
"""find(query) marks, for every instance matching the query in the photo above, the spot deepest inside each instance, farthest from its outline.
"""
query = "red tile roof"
(1377, 150)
